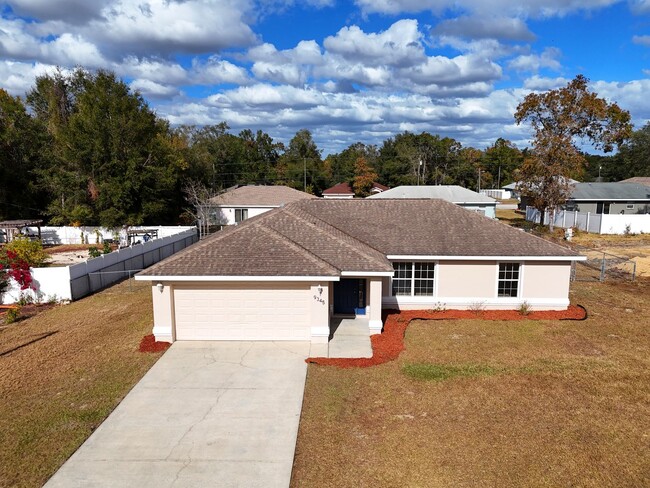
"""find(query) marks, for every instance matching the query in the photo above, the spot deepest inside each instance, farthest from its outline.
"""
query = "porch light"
(160, 287)
(320, 290)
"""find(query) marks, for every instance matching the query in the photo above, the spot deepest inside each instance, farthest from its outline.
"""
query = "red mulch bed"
(390, 343)
(149, 344)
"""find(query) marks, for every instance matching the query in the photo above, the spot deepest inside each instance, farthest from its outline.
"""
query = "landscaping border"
(388, 345)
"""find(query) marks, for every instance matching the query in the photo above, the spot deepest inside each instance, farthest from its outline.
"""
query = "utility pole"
(304, 167)
(479, 180)
(499, 178)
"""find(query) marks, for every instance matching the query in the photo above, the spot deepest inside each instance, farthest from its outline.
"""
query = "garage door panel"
(258, 312)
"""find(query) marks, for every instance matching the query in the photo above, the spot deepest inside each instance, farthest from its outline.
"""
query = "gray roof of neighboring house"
(272, 196)
(610, 191)
(451, 193)
(325, 237)
(513, 185)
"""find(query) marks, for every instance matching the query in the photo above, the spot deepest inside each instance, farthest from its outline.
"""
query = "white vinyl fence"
(78, 280)
(497, 193)
(594, 223)
(51, 235)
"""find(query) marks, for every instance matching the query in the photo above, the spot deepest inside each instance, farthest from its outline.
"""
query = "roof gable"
(451, 193)
(345, 189)
(260, 195)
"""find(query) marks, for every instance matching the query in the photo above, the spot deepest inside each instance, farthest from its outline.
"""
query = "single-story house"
(284, 274)
(638, 180)
(610, 198)
(344, 190)
(452, 193)
(524, 201)
(242, 202)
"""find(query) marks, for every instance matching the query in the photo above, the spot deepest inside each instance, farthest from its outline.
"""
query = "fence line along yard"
(594, 223)
(601, 265)
(81, 279)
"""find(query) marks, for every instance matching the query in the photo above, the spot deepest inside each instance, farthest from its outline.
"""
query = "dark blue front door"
(350, 296)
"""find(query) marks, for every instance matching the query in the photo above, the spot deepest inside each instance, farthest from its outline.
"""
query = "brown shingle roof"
(324, 237)
(641, 180)
(272, 196)
(339, 189)
(346, 189)
(430, 227)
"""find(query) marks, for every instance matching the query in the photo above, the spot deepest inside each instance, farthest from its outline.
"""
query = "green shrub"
(12, 315)
(30, 251)
(25, 299)
(107, 248)
(93, 252)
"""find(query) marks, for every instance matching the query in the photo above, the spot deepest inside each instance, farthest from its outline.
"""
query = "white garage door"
(246, 311)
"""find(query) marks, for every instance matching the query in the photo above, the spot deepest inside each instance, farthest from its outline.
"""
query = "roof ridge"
(298, 204)
(310, 255)
(337, 238)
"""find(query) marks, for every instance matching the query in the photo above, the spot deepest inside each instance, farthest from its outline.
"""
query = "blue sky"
(351, 71)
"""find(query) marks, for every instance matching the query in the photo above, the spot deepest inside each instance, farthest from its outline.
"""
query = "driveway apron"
(208, 414)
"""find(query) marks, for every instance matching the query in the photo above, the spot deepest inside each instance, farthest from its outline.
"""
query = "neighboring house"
(638, 180)
(344, 190)
(610, 198)
(524, 201)
(284, 274)
(452, 193)
(242, 202)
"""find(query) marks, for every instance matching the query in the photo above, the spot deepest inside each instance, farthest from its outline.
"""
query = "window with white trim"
(241, 214)
(508, 285)
(413, 279)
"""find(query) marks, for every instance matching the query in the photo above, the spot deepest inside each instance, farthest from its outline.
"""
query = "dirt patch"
(25, 312)
(67, 258)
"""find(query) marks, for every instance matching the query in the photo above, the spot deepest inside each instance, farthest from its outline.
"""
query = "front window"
(241, 214)
(413, 279)
(508, 280)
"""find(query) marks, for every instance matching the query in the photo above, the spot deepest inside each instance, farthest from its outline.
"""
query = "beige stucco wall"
(319, 298)
(466, 279)
(374, 304)
(465, 284)
(546, 280)
(163, 313)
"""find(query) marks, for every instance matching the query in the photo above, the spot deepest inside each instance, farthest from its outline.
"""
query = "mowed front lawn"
(62, 372)
(474, 403)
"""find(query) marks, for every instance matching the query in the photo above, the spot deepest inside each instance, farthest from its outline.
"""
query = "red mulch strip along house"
(149, 344)
(390, 343)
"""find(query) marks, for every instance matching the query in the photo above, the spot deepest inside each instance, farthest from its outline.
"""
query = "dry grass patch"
(528, 403)
(62, 372)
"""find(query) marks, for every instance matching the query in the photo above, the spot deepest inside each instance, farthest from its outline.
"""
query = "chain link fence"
(601, 265)
(104, 280)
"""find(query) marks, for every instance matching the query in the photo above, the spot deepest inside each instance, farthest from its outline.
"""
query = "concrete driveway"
(221, 414)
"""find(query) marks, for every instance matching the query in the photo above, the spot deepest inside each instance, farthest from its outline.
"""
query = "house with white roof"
(452, 193)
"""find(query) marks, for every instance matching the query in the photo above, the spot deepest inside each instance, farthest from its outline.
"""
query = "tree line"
(84, 149)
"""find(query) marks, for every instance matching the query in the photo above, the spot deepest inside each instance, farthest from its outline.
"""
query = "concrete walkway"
(208, 414)
(351, 339)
